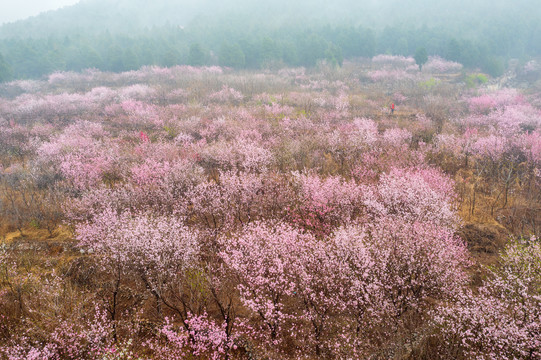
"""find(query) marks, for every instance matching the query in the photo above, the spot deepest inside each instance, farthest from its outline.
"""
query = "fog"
(374, 13)
(22, 9)
(119, 35)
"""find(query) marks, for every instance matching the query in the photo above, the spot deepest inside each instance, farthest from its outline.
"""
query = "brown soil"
(485, 242)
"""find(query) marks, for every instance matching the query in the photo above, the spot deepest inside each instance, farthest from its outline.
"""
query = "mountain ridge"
(125, 16)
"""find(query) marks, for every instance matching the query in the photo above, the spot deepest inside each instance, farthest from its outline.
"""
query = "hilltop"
(126, 16)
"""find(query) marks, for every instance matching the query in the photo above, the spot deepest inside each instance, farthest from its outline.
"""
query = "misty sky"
(12, 10)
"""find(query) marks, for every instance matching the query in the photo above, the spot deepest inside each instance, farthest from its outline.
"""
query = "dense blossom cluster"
(390, 68)
(397, 61)
(436, 64)
(279, 215)
(502, 321)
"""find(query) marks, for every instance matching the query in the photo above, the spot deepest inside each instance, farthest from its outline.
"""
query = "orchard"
(211, 213)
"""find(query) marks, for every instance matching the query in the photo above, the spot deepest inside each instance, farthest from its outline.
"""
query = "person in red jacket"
(392, 108)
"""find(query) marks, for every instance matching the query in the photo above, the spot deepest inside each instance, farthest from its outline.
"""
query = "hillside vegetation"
(125, 35)
(210, 213)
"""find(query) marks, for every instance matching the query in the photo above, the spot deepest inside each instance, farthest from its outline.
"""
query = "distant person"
(392, 108)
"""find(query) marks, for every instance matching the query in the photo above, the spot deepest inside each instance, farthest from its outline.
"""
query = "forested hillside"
(125, 35)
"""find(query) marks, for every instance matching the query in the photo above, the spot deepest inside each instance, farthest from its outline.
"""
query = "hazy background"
(120, 35)
(11, 10)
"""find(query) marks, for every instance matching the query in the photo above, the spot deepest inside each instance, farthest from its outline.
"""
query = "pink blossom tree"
(414, 195)
(264, 259)
(503, 319)
(325, 203)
